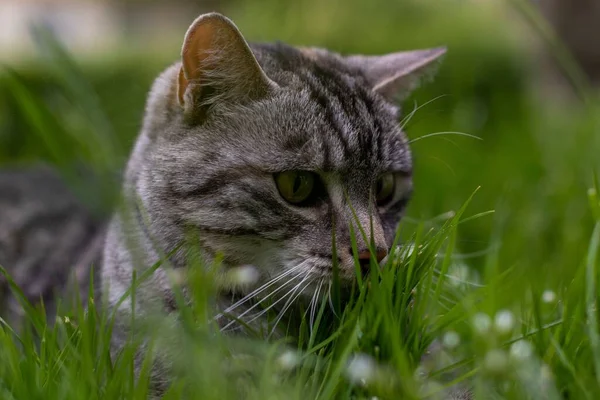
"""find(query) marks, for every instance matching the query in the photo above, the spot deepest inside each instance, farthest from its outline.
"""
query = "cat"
(262, 150)
(49, 240)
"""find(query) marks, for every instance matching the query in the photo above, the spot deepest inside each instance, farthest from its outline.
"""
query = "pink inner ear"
(198, 41)
(182, 84)
(215, 54)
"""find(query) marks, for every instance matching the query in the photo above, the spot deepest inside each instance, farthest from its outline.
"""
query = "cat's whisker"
(312, 299)
(330, 299)
(257, 304)
(416, 108)
(314, 304)
(444, 133)
(284, 297)
(291, 300)
(261, 289)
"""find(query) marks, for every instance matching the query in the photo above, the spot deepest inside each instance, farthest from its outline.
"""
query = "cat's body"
(260, 152)
(48, 240)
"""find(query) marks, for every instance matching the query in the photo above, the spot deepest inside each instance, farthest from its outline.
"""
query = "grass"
(507, 285)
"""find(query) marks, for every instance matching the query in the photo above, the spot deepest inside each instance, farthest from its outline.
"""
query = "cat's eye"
(384, 189)
(296, 187)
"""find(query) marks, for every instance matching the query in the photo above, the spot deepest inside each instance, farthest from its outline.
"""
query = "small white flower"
(245, 275)
(545, 373)
(482, 323)
(288, 360)
(458, 274)
(495, 361)
(421, 373)
(521, 350)
(361, 368)
(504, 322)
(451, 340)
(549, 297)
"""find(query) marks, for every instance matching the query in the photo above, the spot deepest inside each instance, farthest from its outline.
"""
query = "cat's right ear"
(396, 75)
(218, 65)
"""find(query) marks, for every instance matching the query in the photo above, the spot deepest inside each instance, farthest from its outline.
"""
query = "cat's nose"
(364, 258)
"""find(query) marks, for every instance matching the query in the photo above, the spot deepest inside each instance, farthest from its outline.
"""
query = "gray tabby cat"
(262, 149)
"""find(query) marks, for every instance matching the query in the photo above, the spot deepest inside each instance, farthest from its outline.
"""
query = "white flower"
(451, 340)
(482, 323)
(521, 350)
(288, 360)
(545, 373)
(504, 322)
(458, 274)
(361, 368)
(549, 297)
(245, 275)
(495, 361)
(421, 373)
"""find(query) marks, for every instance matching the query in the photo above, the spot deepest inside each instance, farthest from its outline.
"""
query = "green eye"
(295, 186)
(384, 189)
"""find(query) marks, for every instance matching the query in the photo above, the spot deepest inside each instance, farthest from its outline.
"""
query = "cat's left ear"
(218, 64)
(396, 75)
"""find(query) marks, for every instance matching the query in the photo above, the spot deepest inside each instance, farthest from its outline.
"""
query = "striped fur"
(217, 176)
(47, 240)
(218, 126)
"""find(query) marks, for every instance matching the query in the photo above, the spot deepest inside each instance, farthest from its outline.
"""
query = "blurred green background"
(535, 162)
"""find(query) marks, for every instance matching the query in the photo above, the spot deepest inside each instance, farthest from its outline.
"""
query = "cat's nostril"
(365, 265)
(381, 254)
(364, 259)
(366, 255)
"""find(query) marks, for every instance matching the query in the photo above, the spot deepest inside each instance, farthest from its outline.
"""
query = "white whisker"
(293, 297)
(315, 305)
(331, 300)
(444, 133)
(284, 297)
(416, 108)
(269, 307)
(259, 290)
(258, 303)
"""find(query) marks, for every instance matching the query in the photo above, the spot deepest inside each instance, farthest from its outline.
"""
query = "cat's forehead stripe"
(349, 110)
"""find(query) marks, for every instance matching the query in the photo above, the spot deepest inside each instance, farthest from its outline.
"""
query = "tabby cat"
(263, 150)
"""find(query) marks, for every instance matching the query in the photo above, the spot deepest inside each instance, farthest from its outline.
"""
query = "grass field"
(508, 284)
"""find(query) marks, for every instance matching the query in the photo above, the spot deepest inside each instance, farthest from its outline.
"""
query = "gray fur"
(216, 130)
(47, 239)
(215, 175)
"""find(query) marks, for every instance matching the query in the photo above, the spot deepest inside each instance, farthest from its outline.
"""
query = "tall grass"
(508, 298)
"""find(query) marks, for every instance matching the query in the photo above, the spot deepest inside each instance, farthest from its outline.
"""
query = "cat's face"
(269, 163)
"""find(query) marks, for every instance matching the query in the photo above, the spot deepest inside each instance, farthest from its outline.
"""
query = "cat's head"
(265, 150)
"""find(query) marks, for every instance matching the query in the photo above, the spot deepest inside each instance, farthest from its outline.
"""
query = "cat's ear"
(217, 64)
(396, 75)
